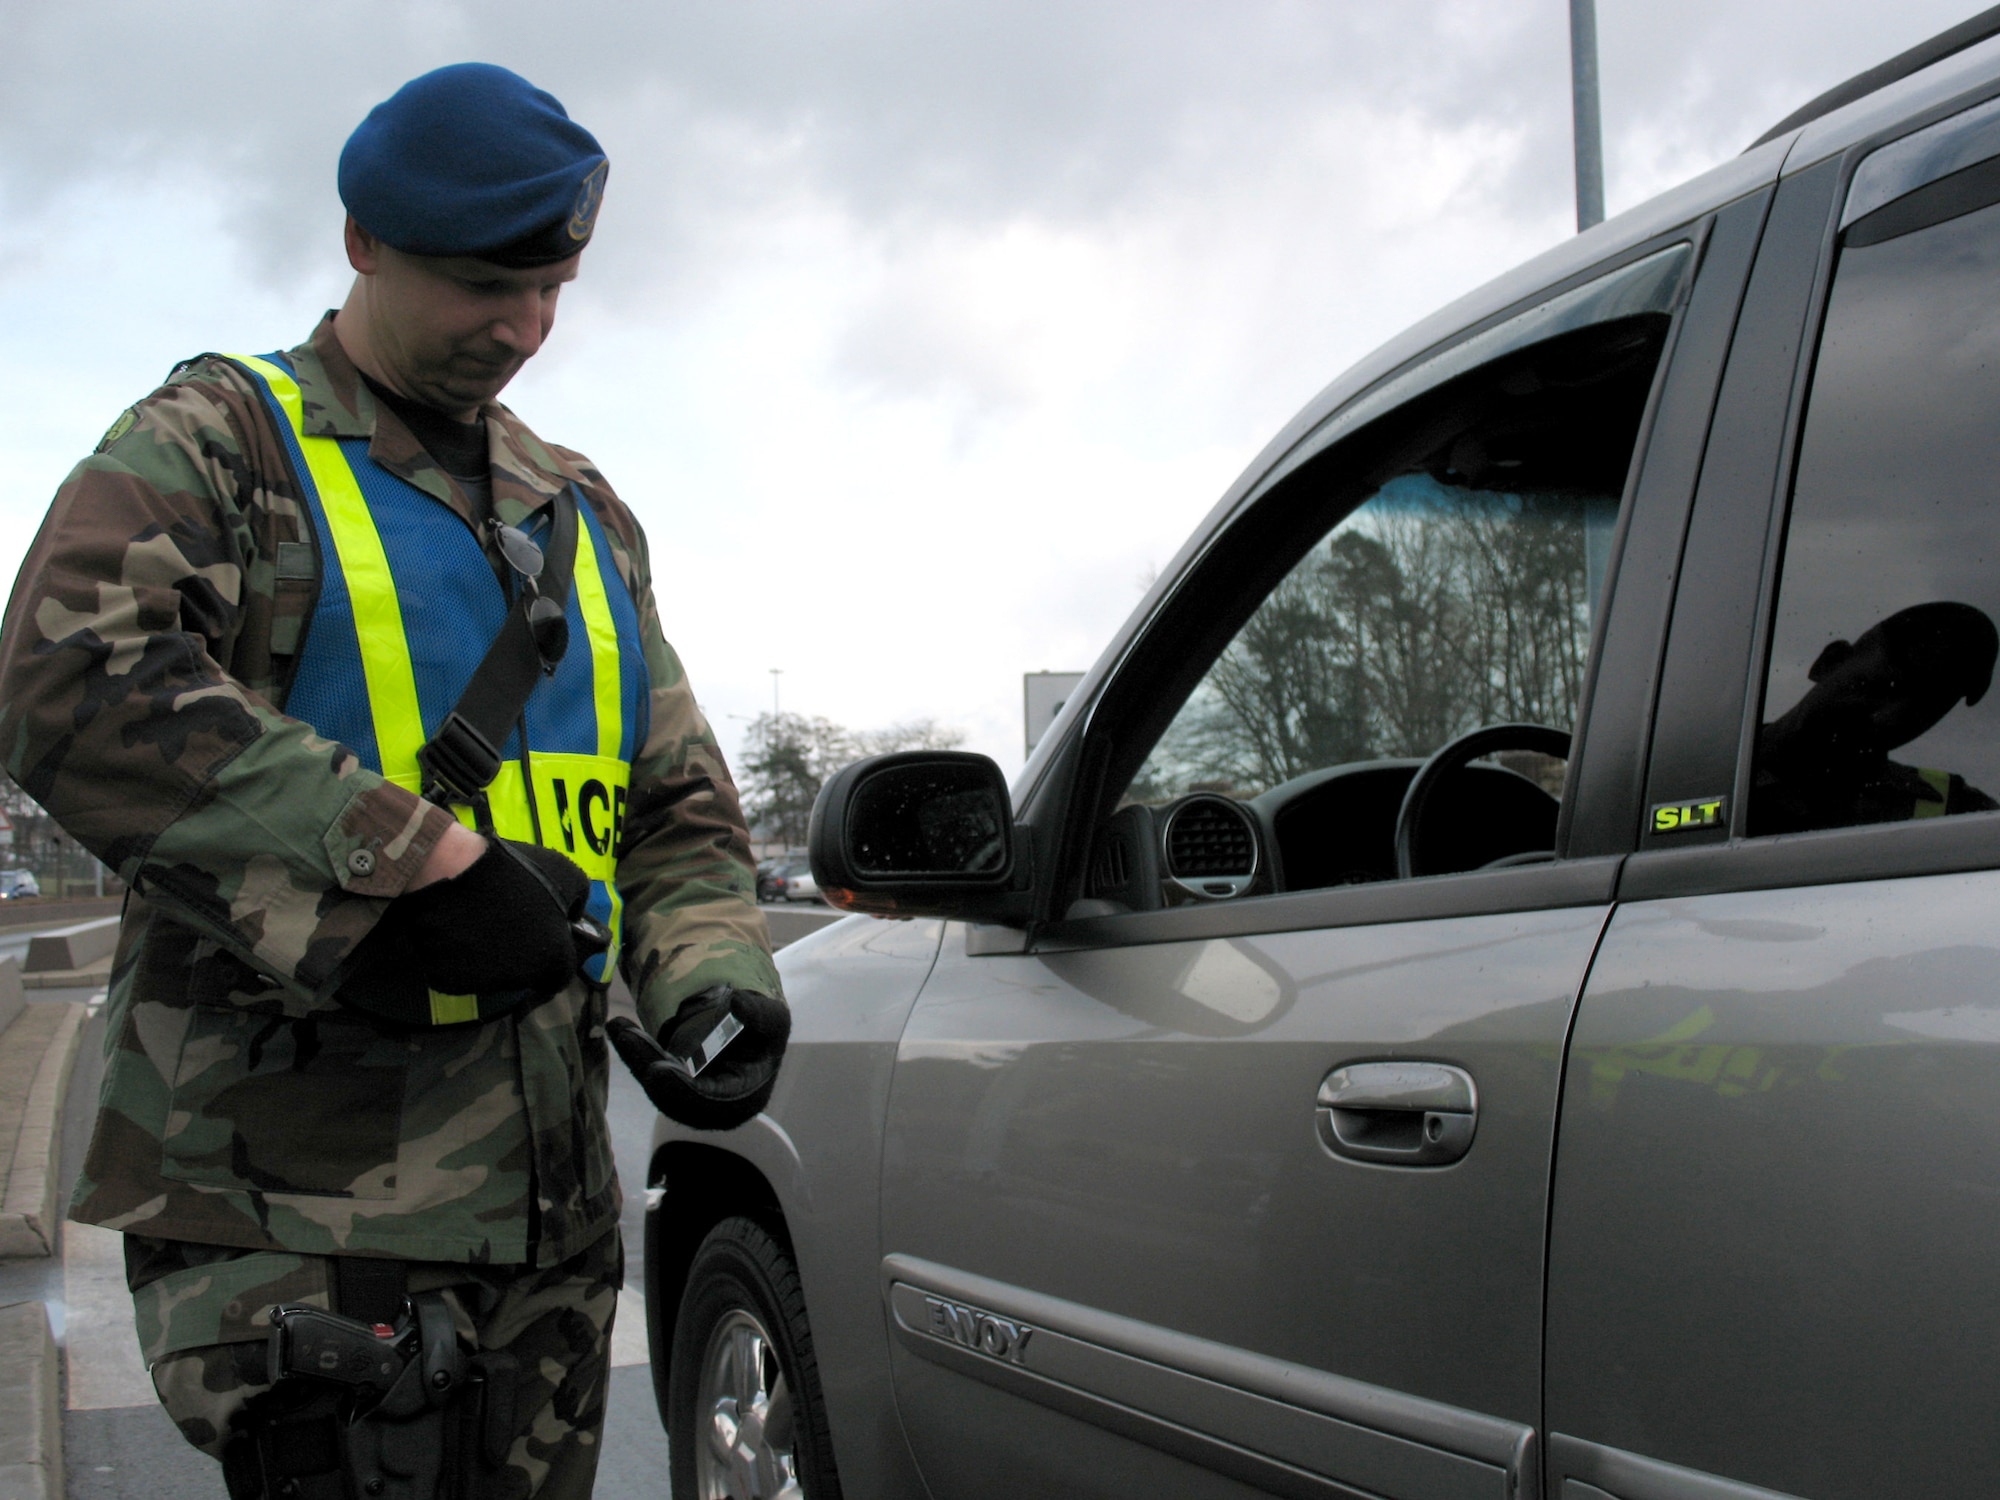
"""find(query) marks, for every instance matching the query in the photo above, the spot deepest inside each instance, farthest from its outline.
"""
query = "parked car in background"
(1295, 1086)
(17, 884)
(770, 885)
(786, 878)
(795, 882)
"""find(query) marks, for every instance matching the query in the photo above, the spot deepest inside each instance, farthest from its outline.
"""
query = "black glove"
(501, 929)
(732, 1088)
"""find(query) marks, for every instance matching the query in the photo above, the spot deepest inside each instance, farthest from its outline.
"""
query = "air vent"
(1211, 848)
(1109, 870)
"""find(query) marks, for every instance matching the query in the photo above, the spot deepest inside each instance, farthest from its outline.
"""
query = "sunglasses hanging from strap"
(463, 757)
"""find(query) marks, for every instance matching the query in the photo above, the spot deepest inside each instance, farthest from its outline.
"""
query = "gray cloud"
(899, 110)
(900, 113)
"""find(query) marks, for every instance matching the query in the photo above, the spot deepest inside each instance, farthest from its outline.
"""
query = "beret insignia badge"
(589, 198)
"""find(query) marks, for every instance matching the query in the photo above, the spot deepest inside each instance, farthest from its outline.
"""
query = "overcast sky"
(918, 334)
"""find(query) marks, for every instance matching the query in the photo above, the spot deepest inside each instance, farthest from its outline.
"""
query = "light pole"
(1583, 105)
(776, 673)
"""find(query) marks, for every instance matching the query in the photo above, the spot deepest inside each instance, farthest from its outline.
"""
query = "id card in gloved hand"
(715, 1063)
(708, 1048)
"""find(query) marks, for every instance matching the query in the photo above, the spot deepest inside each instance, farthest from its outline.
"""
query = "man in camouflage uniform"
(263, 1131)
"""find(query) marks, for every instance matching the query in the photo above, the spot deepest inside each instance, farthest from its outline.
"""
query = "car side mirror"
(922, 833)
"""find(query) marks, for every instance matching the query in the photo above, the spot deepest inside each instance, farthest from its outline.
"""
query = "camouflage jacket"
(145, 648)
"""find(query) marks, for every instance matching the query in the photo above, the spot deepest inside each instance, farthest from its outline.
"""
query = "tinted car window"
(1876, 703)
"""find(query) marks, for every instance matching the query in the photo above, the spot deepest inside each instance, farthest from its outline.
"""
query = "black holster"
(360, 1411)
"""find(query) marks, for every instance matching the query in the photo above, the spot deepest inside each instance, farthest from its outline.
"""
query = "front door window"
(1460, 593)
(1440, 605)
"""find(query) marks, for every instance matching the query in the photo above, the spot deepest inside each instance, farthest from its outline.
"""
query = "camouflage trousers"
(203, 1323)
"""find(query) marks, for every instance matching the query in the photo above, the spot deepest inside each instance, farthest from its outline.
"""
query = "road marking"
(101, 1342)
(628, 1330)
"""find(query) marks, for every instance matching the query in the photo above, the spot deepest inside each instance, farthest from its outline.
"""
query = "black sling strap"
(463, 757)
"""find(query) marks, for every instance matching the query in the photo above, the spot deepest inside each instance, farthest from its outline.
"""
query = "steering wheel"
(1460, 753)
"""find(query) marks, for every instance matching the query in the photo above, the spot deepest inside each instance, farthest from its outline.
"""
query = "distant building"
(1043, 695)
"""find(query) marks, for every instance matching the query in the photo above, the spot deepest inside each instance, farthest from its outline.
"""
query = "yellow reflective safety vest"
(1940, 784)
(408, 604)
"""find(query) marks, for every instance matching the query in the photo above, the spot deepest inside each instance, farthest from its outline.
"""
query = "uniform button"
(362, 861)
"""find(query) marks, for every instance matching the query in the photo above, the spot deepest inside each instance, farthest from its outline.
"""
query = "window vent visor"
(1211, 848)
(1924, 157)
(1651, 285)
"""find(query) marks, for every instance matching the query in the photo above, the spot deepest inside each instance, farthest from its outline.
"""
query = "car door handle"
(1405, 1114)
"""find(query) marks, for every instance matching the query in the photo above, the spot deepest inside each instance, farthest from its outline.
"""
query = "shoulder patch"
(127, 420)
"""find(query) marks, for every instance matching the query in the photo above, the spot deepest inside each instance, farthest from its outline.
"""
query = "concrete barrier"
(75, 947)
(31, 1435)
(37, 1053)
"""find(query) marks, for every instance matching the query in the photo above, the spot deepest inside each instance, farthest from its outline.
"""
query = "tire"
(741, 1341)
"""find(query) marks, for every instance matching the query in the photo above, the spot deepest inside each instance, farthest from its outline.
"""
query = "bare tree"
(787, 758)
(36, 842)
(912, 734)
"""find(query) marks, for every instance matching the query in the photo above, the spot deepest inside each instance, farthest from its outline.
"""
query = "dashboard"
(1329, 827)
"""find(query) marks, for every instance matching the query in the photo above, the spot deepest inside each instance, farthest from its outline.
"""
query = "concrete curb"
(12, 998)
(30, 1450)
(29, 1210)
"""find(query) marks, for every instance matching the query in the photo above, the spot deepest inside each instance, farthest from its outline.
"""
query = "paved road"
(119, 1445)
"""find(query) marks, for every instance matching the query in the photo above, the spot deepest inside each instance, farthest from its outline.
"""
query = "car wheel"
(745, 1416)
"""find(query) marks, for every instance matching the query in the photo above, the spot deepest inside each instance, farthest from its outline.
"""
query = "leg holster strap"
(369, 1289)
(289, 1448)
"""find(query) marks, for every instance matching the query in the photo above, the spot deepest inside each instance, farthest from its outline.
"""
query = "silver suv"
(1492, 986)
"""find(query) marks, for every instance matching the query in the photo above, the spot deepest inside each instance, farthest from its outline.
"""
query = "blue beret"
(474, 160)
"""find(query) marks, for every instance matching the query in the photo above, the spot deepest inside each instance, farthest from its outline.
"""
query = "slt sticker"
(1685, 817)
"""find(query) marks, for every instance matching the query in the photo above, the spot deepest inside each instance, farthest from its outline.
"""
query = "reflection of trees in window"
(1429, 612)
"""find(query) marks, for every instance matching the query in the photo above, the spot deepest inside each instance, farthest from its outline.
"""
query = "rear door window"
(1877, 704)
